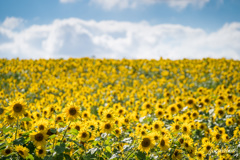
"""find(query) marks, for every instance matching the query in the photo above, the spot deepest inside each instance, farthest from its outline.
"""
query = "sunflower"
(157, 125)
(39, 138)
(22, 151)
(190, 101)
(72, 111)
(175, 127)
(216, 136)
(2, 112)
(186, 128)
(17, 108)
(177, 154)
(147, 106)
(156, 136)
(108, 115)
(159, 113)
(117, 132)
(219, 112)
(200, 155)
(107, 127)
(229, 122)
(85, 115)
(231, 109)
(40, 152)
(225, 138)
(188, 144)
(42, 125)
(194, 114)
(83, 135)
(146, 143)
(207, 147)
(7, 151)
(164, 143)
(172, 109)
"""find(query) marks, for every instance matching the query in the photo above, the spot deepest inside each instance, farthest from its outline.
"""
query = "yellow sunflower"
(83, 135)
(17, 108)
(146, 143)
(7, 151)
(107, 127)
(72, 111)
(164, 143)
(40, 152)
(22, 151)
(39, 138)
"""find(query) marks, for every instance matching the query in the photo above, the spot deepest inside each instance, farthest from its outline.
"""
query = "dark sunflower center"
(17, 108)
(160, 113)
(145, 142)
(39, 137)
(172, 109)
(85, 115)
(199, 155)
(156, 137)
(148, 106)
(121, 111)
(84, 134)
(109, 116)
(190, 101)
(230, 109)
(177, 127)
(194, 114)
(186, 145)
(218, 136)
(21, 152)
(8, 151)
(1, 111)
(156, 126)
(40, 151)
(77, 128)
(72, 111)
(176, 153)
(220, 112)
(41, 127)
(181, 140)
(162, 143)
(107, 126)
(10, 117)
(185, 129)
(207, 100)
(117, 131)
(208, 148)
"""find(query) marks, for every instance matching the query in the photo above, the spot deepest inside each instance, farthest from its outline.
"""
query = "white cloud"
(122, 4)
(112, 39)
(12, 22)
(68, 1)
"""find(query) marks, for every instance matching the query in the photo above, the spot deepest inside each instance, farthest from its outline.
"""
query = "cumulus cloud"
(122, 4)
(112, 39)
(12, 22)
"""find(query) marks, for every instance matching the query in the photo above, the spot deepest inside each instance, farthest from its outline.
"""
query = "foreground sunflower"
(72, 112)
(17, 108)
(22, 151)
(40, 152)
(146, 144)
(39, 138)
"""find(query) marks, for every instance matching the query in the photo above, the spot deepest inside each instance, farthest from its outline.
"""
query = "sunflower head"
(17, 107)
(72, 111)
(146, 143)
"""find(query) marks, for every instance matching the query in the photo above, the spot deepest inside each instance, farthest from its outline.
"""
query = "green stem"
(66, 131)
(16, 130)
(131, 153)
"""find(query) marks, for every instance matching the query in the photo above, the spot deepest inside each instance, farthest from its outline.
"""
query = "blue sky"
(120, 28)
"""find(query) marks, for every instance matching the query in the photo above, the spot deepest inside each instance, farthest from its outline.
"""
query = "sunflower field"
(89, 108)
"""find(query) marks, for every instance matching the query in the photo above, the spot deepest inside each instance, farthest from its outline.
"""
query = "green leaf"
(108, 149)
(52, 136)
(26, 119)
(19, 141)
(74, 131)
(30, 157)
(141, 155)
(60, 149)
(48, 158)
(53, 130)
